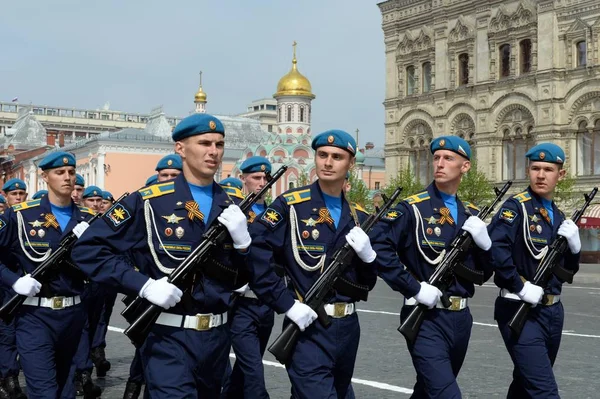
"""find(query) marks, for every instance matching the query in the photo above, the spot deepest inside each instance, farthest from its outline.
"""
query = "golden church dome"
(294, 83)
(200, 96)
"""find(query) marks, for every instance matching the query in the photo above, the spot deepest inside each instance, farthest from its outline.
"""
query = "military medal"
(174, 219)
(438, 231)
(429, 231)
(432, 220)
(32, 232)
(168, 232)
(179, 232)
(305, 234)
(534, 218)
(315, 234)
(310, 222)
(544, 214)
(446, 216)
(539, 229)
(532, 228)
(41, 233)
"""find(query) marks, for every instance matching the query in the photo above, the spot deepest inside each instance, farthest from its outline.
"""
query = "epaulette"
(86, 210)
(470, 205)
(522, 197)
(359, 208)
(26, 205)
(296, 197)
(415, 199)
(233, 191)
(157, 190)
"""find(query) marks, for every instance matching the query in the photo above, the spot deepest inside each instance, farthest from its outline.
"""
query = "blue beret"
(57, 160)
(256, 164)
(39, 194)
(79, 180)
(335, 138)
(92, 191)
(231, 182)
(451, 143)
(107, 196)
(197, 124)
(171, 161)
(14, 184)
(151, 180)
(2, 199)
(546, 152)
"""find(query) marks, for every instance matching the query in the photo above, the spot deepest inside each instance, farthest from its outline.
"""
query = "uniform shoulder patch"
(522, 197)
(296, 197)
(117, 215)
(233, 191)
(271, 217)
(359, 208)
(470, 205)
(392, 215)
(508, 215)
(157, 190)
(415, 199)
(26, 205)
(2, 224)
(86, 210)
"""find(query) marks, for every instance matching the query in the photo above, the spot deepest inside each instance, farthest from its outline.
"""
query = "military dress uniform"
(39, 194)
(48, 325)
(411, 241)
(298, 232)
(158, 226)
(521, 233)
(251, 321)
(232, 182)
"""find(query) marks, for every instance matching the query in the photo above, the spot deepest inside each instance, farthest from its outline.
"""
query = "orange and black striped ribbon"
(50, 221)
(446, 216)
(193, 210)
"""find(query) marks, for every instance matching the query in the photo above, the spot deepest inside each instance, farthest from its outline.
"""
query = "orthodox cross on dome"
(200, 78)
(294, 46)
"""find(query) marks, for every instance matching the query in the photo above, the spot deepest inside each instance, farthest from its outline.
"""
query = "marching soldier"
(410, 242)
(16, 192)
(232, 182)
(251, 321)
(77, 194)
(107, 200)
(2, 203)
(39, 194)
(92, 198)
(50, 322)
(169, 167)
(301, 229)
(521, 233)
(187, 349)
(151, 180)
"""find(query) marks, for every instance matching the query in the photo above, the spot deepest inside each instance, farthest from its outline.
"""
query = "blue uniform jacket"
(397, 239)
(512, 235)
(271, 244)
(123, 230)
(40, 232)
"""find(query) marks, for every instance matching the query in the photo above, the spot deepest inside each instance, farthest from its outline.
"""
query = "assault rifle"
(8, 311)
(283, 346)
(550, 265)
(143, 313)
(450, 266)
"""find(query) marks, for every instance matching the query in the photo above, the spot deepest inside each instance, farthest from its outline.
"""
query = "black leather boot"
(11, 383)
(90, 390)
(3, 392)
(132, 390)
(99, 360)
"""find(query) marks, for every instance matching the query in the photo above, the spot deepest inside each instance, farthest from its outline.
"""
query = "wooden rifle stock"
(283, 346)
(450, 265)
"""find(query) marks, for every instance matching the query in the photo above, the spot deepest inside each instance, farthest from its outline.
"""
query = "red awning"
(591, 217)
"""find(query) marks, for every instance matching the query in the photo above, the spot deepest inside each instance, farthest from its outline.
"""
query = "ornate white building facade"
(502, 74)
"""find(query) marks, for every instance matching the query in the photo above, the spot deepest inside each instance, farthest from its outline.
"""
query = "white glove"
(359, 241)
(531, 293)
(478, 230)
(428, 295)
(80, 228)
(301, 314)
(242, 290)
(234, 219)
(570, 231)
(27, 285)
(161, 293)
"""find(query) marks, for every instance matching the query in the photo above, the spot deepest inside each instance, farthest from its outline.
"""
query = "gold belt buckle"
(455, 303)
(58, 302)
(549, 300)
(339, 309)
(203, 322)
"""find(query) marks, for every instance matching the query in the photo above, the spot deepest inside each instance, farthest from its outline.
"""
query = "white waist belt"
(339, 309)
(456, 303)
(552, 299)
(54, 303)
(199, 322)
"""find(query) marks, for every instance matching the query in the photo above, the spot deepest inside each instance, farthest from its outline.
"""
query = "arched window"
(465, 128)
(515, 146)
(581, 48)
(290, 185)
(525, 64)
(289, 113)
(419, 155)
(410, 80)
(589, 148)
(427, 77)
(302, 114)
(463, 69)
(504, 56)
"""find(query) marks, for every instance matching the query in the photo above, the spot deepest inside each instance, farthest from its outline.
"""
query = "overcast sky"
(140, 54)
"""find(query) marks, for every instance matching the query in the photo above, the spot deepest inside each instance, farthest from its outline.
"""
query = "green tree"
(405, 179)
(475, 187)
(564, 194)
(303, 179)
(358, 192)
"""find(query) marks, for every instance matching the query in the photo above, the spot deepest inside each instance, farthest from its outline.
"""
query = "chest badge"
(538, 228)
(544, 214)
(310, 222)
(36, 223)
(41, 233)
(179, 232)
(168, 232)
(534, 218)
(446, 216)
(432, 220)
(315, 234)
(174, 219)
(437, 231)
(305, 234)
(32, 232)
